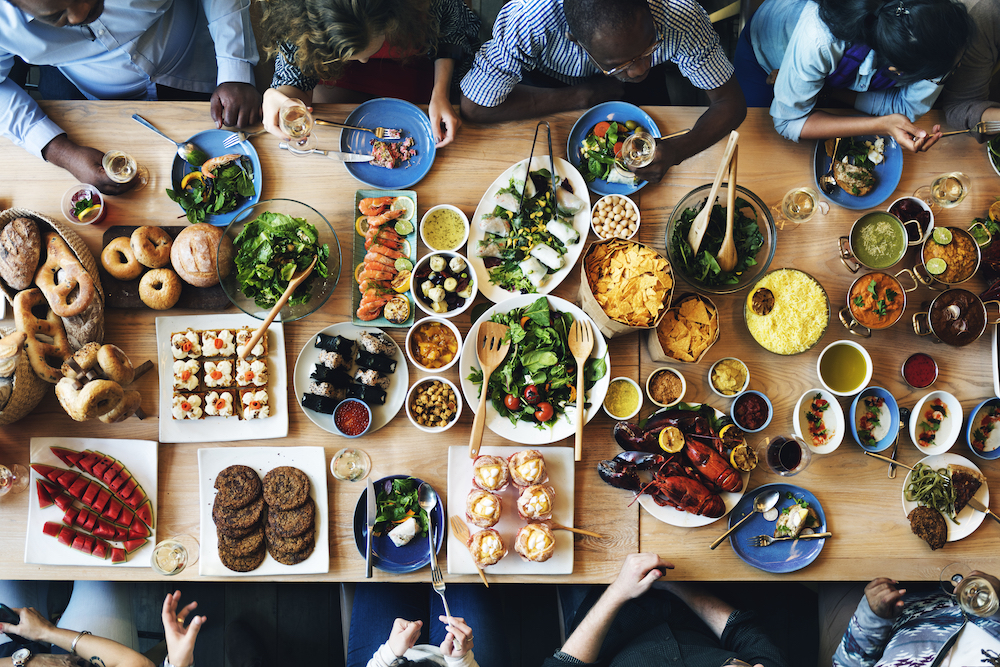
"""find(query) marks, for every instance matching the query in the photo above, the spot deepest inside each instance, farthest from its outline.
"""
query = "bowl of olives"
(443, 284)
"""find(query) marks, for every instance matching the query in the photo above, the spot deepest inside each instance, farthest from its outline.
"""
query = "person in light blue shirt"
(124, 49)
(886, 59)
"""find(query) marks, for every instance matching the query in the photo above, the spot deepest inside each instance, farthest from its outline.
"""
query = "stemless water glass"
(295, 120)
(350, 465)
(172, 555)
(975, 594)
(122, 168)
(798, 205)
(785, 455)
(946, 191)
(13, 479)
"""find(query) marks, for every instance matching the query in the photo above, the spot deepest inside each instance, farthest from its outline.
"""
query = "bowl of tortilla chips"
(686, 332)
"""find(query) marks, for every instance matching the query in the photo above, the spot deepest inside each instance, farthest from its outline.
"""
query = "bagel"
(97, 397)
(119, 260)
(151, 246)
(160, 289)
(124, 410)
(115, 364)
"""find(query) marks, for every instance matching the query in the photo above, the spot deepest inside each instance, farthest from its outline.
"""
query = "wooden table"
(872, 537)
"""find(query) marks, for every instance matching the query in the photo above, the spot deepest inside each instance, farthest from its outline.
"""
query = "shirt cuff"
(231, 69)
(39, 136)
(467, 659)
(385, 655)
(567, 658)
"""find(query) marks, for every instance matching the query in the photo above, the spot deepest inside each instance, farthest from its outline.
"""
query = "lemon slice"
(942, 235)
(936, 266)
(995, 211)
(732, 436)
(89, 214)
(671, 440)
(361, 225)
(743, 458)
(401, 283)
(404, 204)
(357, 272)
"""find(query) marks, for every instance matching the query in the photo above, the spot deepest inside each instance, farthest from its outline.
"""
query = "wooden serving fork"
(491, 348)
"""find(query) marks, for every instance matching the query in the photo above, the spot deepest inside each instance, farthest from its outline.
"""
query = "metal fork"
(767, 540)
(437, 580)
(379, 132)
(982, 127)
(239, 137)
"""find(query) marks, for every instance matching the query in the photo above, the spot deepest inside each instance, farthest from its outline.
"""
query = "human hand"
(441, 114)
(85, 163)
(637, 575)
(47, 660)
(32, 625)
(403, 635)
(235, 104)
(908, 135)
(180, 639)
(458, 641)
(657, 169)
(884, 599)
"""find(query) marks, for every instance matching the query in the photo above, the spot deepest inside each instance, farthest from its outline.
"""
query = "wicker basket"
(28, 389)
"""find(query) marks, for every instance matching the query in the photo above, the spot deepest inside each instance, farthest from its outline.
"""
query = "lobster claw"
(623, 471)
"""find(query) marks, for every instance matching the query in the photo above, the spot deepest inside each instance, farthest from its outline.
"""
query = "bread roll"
(20, 249)
(195, 251)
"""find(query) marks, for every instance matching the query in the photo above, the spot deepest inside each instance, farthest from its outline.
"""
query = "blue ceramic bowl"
(893, 417)
(973, 425)
(342, 405)
(767, 401)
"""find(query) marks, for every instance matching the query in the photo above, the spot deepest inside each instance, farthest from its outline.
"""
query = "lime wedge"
(942, 236)
(361, 225)
(404, 204)
(404, 227)
(936, 266)
(403, 264)
(89, 214)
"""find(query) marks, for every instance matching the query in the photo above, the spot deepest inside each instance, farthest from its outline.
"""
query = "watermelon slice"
(44, 497)
(117, 483)
(80, 543)
(88, 525)
(118, 555)
(145, 512)
(138, 530)
(134, 545)
(104, 530)
(99, 468)
(81, 517)
(69, 518)
(90, 495)
(126, 517)
(63, 501)
(67, 478)
(121, 534)
(126, 491)
(66, 536)
(137, 498)
(91, 541)
(79, 487)
(67, 456)
(48, 472)
(101, 548)
(112, 472)
(102, 500)
(52, 528)
(53, 489)
(112, 511)
(88, 461)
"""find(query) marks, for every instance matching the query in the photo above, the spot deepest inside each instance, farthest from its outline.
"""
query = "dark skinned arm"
(531, 102)
(84, 163)
(726, 110)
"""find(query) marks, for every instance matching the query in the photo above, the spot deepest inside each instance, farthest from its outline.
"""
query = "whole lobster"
(712, 466)
(671, 484)
(687, 495)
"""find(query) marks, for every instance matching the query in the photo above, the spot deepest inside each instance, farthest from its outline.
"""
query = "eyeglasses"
(621, 68)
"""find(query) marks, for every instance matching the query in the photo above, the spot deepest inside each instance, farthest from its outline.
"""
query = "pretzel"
(40, 352)
(95, 398)
(124, 410)
(104, 361)
(75, 291)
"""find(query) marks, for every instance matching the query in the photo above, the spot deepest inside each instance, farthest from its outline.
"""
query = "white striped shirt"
(530, 35)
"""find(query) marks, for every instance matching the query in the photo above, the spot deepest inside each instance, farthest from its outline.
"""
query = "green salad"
(396, 501)
(703, 266)
(537, 379)
(270, 249)
(601, 148)
(201, 196)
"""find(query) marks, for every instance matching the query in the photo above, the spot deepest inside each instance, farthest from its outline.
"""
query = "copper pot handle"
(927, 280)
(911, 276)
(917, 317)
(995, 303)
(986, 230)
(847, 319)
(843, 246)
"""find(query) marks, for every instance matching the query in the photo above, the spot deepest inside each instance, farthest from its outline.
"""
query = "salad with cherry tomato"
(601, 147)
(537, 380)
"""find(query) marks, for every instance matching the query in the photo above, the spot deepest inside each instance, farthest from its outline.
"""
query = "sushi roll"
(335, 360)
(377, 343)
(335, 377)
(219, 404)
(486, 547)
(489, 473)
(370, 395)
(535, 503)
(338, 344)
(527, 467)
(367, 376)
(321, 404)
(327, 391)
(378, 362)
(243, 337)
(482, 508)
(535, 542)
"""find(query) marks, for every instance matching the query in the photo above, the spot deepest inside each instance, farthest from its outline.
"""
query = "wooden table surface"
(863, 507)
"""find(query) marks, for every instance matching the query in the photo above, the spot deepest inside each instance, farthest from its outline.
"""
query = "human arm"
(235, 101)
(966, 95)
(531, 102)
(273, 99)
(180, 639)
(444, 121)
(871, 627)
(823, 125)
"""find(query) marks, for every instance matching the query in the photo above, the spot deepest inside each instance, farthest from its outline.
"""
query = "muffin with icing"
(482, 508)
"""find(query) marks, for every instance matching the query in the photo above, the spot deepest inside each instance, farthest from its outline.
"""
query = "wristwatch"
(21, 657)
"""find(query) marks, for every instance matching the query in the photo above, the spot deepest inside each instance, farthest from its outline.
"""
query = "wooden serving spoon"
(727, 252)
(293, 283)
(697, 231)
(558, 526)
(491, 348)
(581, 344)
(462, 533)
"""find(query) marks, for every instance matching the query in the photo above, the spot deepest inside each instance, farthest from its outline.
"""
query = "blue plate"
(618, 111)
(780, 557)
(387, 556)
(973, 424)
(210, 141)
(886, 176)
(396, 114)
(893, 417)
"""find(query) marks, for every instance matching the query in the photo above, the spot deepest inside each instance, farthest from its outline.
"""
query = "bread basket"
(27, 391)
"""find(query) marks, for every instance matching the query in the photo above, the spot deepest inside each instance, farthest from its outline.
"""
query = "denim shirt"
(788, 35)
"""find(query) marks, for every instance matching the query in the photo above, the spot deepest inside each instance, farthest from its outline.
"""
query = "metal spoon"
(427, 498)
(827, 183)
(762, 503)
(187, 152)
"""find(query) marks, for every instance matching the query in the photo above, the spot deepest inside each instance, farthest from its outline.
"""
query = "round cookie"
(243, 546)
(285, 488)
(289, 545)
(237, 486)
(238, 520)
(286, 558)
(241, 563)
(289, 523)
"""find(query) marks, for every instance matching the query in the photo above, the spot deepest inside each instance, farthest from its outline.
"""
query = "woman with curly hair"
(354, 50)
(885, 58)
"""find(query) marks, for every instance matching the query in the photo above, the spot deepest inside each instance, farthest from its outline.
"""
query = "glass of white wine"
(798, 205)
(295, 120)
(945, 191)
(13, 479)
(975, 594)
(350, 465)
(172, 555)
(122, 168)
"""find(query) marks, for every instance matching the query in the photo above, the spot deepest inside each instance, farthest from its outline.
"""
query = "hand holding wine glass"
(976, 592)
(122, 168)
(295, 121)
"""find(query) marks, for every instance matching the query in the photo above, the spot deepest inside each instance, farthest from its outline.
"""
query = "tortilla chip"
(631, 282)
(688, 329)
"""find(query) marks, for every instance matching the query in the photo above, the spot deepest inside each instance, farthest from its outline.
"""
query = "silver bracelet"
(167, 663)
(72, 647)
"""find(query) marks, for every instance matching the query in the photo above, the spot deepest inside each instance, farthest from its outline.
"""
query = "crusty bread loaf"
(194, 254)
(20, 249)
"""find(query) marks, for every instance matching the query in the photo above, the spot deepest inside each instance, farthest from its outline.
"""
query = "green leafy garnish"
(890, 295)
(703, 267)
(397, 504)
(211, 196)
(858, 301)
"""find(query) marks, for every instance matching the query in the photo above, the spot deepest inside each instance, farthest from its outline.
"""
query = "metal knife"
(333, 155)
(372, 513)
(976, 504)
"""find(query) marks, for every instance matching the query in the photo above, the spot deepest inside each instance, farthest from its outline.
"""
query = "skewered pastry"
(482, 508)
(489, 473)
(535, 502)
(535, 542)
(527, 467)
(486, 547)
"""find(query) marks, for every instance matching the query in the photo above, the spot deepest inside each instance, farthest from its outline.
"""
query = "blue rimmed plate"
(780, 557)
(617, 111)
(387, 556)
(395, 114)
(887, 175)
(210, 141)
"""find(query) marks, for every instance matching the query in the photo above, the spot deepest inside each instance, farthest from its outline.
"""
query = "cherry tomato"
(512, 402)
(543, 411)
(531, 394)
(602, 128)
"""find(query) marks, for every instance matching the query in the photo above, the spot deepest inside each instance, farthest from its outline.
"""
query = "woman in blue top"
(886, 59)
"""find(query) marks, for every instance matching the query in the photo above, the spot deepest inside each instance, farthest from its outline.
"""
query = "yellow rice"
(799, 316)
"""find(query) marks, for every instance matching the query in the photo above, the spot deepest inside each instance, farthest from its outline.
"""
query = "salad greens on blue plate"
(397, 501)
(201, 196)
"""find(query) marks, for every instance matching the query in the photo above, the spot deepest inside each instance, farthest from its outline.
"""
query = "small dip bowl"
(607, 204)
(890, 412)
(917, 368)
(444, 220)
(975, 434)
(949, 429)
(659, 381)
(832, 362)
(426, 333)
(348, 409)
(424, 385)
(727, 370)
(617, 386)
(753, 398)
(914, 208)
(422, 270)
(82, 190)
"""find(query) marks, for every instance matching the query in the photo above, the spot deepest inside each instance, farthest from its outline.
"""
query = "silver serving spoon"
(827, 182)
(427, 498)
(762, 503)
(187, 152)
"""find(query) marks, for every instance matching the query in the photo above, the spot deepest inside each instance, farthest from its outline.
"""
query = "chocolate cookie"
(286, 558)
(285, 488)
(237, 486)
(241, 563)
(243, 546)
(240, 519)
(288, 545)
(289, 523)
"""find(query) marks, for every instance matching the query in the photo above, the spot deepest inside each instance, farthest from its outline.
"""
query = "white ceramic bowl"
(638, 406)
(425, 381)
(833, 419)
(711, 384)
(422, 265)
(409, 342)
(868, 367)
(951, 426)
(683, 386)
(454, 209)
(926, 231)
(610, 199)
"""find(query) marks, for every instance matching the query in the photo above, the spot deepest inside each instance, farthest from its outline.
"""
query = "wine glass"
(785, 455)
(295, 120)
(13, 479)
(975, 594)
(122, 168)
(350, 465)
(798, 205)
(945, 191)
(172, 555)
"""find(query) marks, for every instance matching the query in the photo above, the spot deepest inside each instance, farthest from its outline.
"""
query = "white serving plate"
(310, 460)
(581, 222)
(139, 456)
(222, 429)
(559, 464)
(834, 420)
(951, 426)
(969, 519)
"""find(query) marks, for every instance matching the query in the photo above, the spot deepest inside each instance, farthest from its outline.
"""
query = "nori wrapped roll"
(376, 361)
(372, 378)
(370, 395)
(319, 403)
(339, 344)
(333, 376)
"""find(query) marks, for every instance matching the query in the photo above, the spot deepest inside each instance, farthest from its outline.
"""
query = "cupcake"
(482, 508)
(527, 467)
(486, 547)
(489, 473)
(535, 542)
(535, 502)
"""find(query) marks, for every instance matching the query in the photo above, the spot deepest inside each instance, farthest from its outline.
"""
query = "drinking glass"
(736, 662)
(172, 555)
(798, 205)
(785, 455)
(13, 479)
(945, 191)
(122, 168)
(295, 120)
(975, 594)
(350, 465)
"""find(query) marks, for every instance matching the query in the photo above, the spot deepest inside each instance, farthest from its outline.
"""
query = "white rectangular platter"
(139, 456)
(310, 460)
(222, 429)
(559, 463)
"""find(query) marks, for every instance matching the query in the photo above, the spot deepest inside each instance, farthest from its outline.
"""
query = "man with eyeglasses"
(548, 56)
